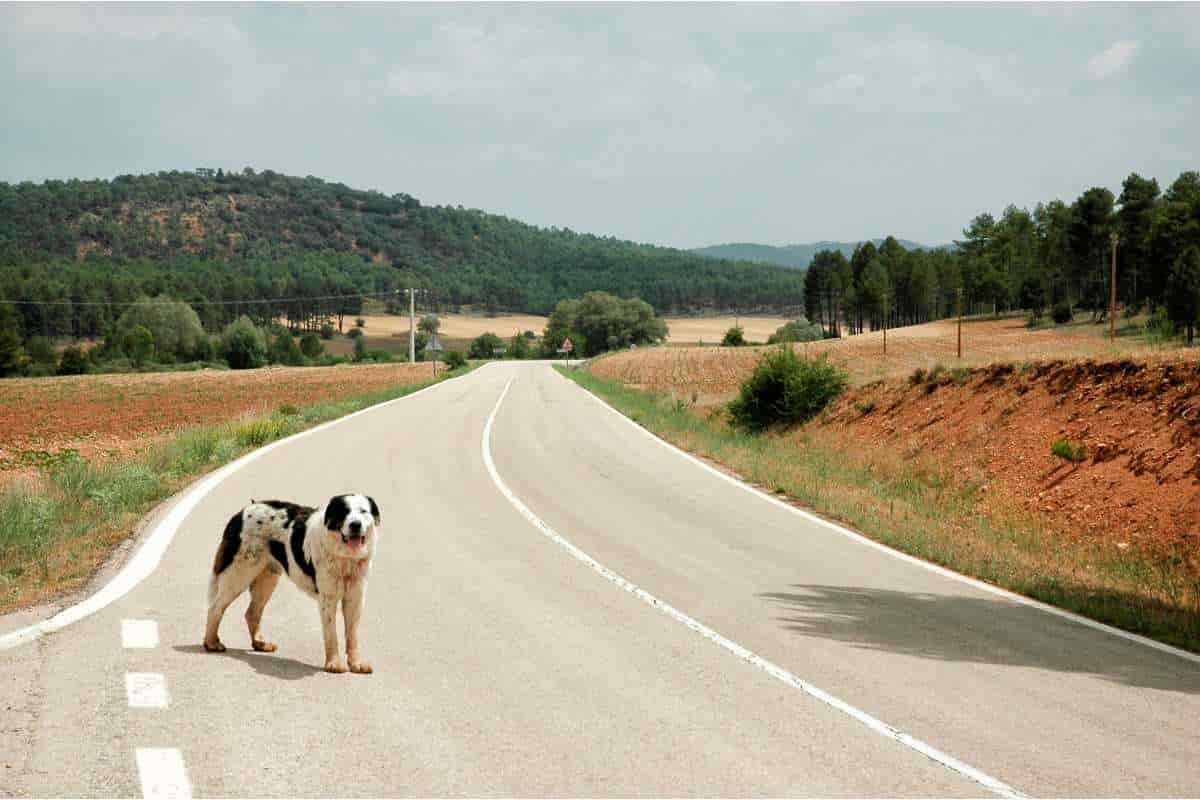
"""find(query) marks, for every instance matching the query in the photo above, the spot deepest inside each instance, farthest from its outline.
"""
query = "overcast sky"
(677, 124)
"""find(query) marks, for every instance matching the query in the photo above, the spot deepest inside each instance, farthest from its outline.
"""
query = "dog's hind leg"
(223, 590)
(261, 590)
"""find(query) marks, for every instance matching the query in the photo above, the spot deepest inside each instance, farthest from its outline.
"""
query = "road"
(763, 653)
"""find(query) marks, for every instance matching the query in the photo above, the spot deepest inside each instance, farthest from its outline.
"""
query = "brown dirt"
(1138, 484)
(104, 416)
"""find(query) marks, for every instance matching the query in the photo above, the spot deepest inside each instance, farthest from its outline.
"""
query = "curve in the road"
(966, 770)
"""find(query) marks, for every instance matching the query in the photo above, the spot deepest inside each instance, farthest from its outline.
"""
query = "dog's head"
(355, 519)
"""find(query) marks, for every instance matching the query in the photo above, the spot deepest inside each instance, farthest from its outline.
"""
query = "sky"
(678, 124)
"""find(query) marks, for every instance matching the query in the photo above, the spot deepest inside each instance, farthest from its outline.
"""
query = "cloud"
(1113, 60)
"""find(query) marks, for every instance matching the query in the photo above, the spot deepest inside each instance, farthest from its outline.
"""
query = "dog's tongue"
(355, 542)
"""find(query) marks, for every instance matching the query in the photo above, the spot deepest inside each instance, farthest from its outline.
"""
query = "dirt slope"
(1137, 484)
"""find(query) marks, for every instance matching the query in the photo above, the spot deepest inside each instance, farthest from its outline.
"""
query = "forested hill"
(234, 236)
(796, 256)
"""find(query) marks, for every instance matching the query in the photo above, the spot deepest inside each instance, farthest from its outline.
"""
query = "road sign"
(433, 345)
(566, 346)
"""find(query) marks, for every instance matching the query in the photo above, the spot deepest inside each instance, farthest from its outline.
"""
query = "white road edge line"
(162, 774)
(775, 671)
(861, 539)
(147, 559)
(146, 690)
(139, 634)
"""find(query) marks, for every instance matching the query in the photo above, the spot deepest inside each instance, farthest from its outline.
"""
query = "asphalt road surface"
(761, 653)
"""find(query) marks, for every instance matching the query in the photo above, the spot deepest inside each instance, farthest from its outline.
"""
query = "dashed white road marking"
(139, 634)
(146, 690)
(162, 774)
(774, 670)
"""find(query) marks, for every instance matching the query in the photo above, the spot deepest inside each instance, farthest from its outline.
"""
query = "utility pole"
(1112, 297)
(887, 307)
(412, 322)
(959, 294)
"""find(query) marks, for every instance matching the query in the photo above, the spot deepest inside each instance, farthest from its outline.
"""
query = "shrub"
(138, 344)
(360, 322)
(310, 345)
(485, 345)
(173, 324)
(798, 330)
(284, 350)
(865, 406)
(355, 333)
(41, 350)
(327, 331)
(243, 345)
(360, 347)
(734, 337)
(1061, 313)
(380, 356)
(785, 389)
(1159, 328)
(455, 359)
(1065, 449)
(73, 361)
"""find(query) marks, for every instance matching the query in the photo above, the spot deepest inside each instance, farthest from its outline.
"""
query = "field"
(681, 330)
(713, 374)
(100, 417)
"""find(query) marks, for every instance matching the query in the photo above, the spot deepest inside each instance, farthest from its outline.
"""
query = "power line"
(362, 295)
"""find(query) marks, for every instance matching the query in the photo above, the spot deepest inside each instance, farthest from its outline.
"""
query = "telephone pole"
(1112, 297)
(412, 322)
(959, 294)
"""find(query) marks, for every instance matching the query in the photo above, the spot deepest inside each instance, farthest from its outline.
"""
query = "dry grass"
(713, 374)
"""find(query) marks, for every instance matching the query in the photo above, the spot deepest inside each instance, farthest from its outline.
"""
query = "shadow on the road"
(977, 630)
(268, 664)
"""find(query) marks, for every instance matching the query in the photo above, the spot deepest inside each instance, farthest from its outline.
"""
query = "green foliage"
(138, 344)
(284, 350)
(10, 340)
(455, 359)
(360, 347)
(174, 327)
(1062, 313)
(359, 322)
(485, 345)
(355, 333)
(429, 324)
(327, 331)
(243, 345)
(73, 361)
(310, 345)
(734, 337)
(797, 330)
(1068, 450)
(1159, 328)
(865, 406)
(41, 350)
(599, 322)
(1183, 291)
(785, 389)
(518, 347)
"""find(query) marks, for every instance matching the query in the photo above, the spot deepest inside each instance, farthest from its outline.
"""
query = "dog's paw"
(264, 646)
(361, 667)
(214, 647)
(335, 665)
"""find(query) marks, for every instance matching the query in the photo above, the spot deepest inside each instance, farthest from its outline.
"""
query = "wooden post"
(959, 294)
(1112, 298)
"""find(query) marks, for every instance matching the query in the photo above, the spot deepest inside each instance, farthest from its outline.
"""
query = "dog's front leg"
(328, 600)
(352, 607)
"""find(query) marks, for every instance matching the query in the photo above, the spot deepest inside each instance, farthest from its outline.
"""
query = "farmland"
(713, 374)
(101, 417)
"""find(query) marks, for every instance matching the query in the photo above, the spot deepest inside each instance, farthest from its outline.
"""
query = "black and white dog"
(325, 551)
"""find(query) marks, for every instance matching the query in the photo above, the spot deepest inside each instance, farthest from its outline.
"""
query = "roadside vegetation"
(59, 524)
(913, 503)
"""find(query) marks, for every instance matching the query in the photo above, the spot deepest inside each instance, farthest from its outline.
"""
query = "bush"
(379, 356)
(310, 345)
(173, 324)
(485, 345)
(1159, 328)
(284, 350)
(327, 331)
(73, 361)
(138, 344)
(865, 406)
(360, 322)
(41, 350)
(455, 359)
(1065, 449)
(208, 348)
(243, 345)
(355, 333)
(786, 389)
(360, 347)
(798, 330)
(1061, 313)
(734, 337)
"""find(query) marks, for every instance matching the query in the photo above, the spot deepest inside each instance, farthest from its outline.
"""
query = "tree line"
(1058, 254)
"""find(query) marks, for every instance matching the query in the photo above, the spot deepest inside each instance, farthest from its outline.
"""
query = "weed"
(1070, 451)
(865, 406)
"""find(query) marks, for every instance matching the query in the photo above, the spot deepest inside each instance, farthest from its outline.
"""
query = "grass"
(57, 528)
(1068, 451)
(913, 505)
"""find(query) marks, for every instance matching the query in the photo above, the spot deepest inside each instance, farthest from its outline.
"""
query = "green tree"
(1183, 291)
(734, 337)
(518, 347)
(243, 345)
(360, 348)
(173, 324)
(310, 345)
(485, 345)
(10, 341)
(138, 344)
(429, 324)
(284, 350)
(41, 350)
(73, 361)
(798, 330)
(599, 322)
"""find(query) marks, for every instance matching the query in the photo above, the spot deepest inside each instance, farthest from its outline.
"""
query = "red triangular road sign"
(566, 345)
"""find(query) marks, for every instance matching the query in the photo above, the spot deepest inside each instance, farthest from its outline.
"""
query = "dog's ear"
(374, 509)
(336, 511)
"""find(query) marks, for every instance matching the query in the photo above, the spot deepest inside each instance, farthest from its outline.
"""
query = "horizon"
(684, 127)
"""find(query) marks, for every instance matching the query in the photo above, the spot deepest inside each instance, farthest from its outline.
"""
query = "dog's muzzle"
(354, 535)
